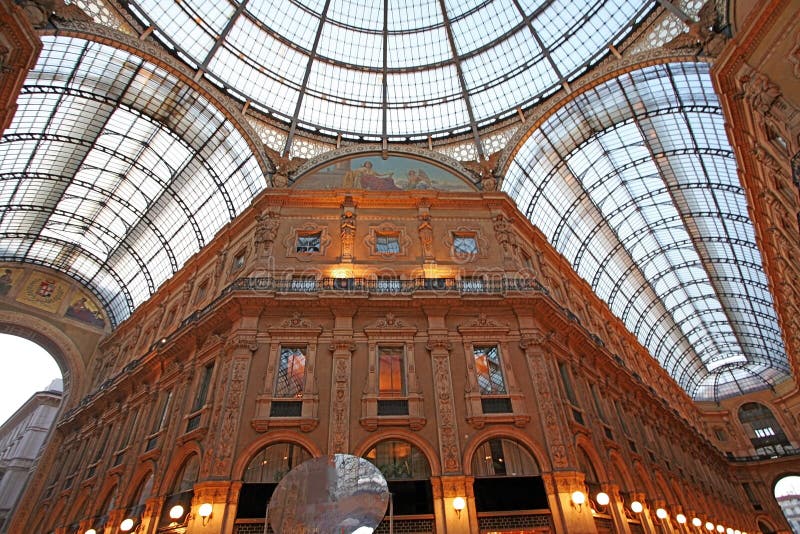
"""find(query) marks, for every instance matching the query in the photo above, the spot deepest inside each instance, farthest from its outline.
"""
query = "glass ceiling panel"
(121, 174)
(634, 182)
(262, 50)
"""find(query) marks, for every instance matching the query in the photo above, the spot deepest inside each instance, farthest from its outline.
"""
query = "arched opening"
(136, 505)
(181, 493)
(765, 528)
(261, 476)
(408, 473)
(764, 431)
(787, 493)
(507, 479)
(32, 391)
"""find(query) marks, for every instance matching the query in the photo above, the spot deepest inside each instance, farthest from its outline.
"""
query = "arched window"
(261, 476)
(407, 473)
(763, 429)
(182, 491)
(507, 478)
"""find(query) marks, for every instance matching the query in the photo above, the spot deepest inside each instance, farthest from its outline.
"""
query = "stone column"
(215, 493)
(446, 422)
(339, 433)
(554, 422)
(152, 510)
(567, 516)
(445, 490)
(616, 508)
(644, 516)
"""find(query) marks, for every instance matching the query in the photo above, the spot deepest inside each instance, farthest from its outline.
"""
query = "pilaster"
(568, 517)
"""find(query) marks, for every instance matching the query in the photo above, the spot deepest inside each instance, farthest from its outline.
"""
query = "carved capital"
(439, 343)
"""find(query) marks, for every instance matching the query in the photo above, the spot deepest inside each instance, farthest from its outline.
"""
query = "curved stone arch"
(585, 444)
(646, 485)
(56, 343)
(678, 492)
(364, 446)
(78, 507)
(663, 487)
(608, 71)
(137, 479)
(272, 438)
(617, 462)
(106, 492)
(151, 52)
(180, 458)
(766, 520)
(537, 451)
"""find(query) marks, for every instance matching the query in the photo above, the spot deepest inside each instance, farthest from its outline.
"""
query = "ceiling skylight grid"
(260, 50)
(640, 181)
(116, 179)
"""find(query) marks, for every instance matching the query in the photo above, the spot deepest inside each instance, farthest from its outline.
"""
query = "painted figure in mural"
(80, 311)
(365, 177)
(5, 283)
(419, 179)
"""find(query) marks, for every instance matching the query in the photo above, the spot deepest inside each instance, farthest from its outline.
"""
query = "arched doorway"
(787, 493)
(407, 472)
(764, 430)
(509, 490)
(262, 474)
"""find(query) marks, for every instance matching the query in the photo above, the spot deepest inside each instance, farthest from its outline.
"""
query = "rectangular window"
(161, 414)
(291, 372)
(309, 243)
(464, 245)
(621, 417)
(238, 261)
(202, 388)
(202, 290)
(598, 403)
(472, 284)
(387, 284)
(488, 370)
(303, 283)
(387, 244)
(567, 382)
(391, 372)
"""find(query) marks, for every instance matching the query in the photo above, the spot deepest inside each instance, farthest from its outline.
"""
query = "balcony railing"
(382, 286)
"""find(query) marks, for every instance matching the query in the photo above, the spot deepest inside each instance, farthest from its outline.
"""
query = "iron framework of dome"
(394, 69)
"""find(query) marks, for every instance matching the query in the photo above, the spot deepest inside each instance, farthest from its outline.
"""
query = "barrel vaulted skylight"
(391, 69)
(634, 182)
(115, 172)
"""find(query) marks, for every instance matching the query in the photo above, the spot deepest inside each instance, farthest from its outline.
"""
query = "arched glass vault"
(115, 172)
(634, 182)
(394, 69)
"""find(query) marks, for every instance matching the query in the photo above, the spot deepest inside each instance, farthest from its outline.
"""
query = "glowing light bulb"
(636, 507)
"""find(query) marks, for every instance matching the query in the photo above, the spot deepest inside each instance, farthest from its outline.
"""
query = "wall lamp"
(128, 525)
(636, 507)
(578, 498)
(680, 518)
(90, 531)
(205, 511)
(661, 514)
(697, 522)
(709, 526)
(459, 504)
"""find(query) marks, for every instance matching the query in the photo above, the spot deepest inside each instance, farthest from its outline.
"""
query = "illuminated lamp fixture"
(90, 531)
(205, 512)
(578, 498)
(459, 504)
(127, 524)
(661, 513)
(729, 530)
(697, 522)
(636, 507)
(709, 526)
(176, 512)
(720, 529)
(680, 518)
(602, 498)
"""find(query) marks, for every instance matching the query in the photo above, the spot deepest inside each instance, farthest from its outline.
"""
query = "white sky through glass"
(27, 368)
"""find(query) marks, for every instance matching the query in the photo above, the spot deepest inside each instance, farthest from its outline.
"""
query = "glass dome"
(397, 69)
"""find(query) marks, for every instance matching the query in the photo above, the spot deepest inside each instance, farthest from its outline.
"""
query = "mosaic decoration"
(43, 292)
(396, 173)
(82, 308)
(8, 277)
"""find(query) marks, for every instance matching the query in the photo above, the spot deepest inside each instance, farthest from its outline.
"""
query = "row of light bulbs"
(175, 513)
(602, 499)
